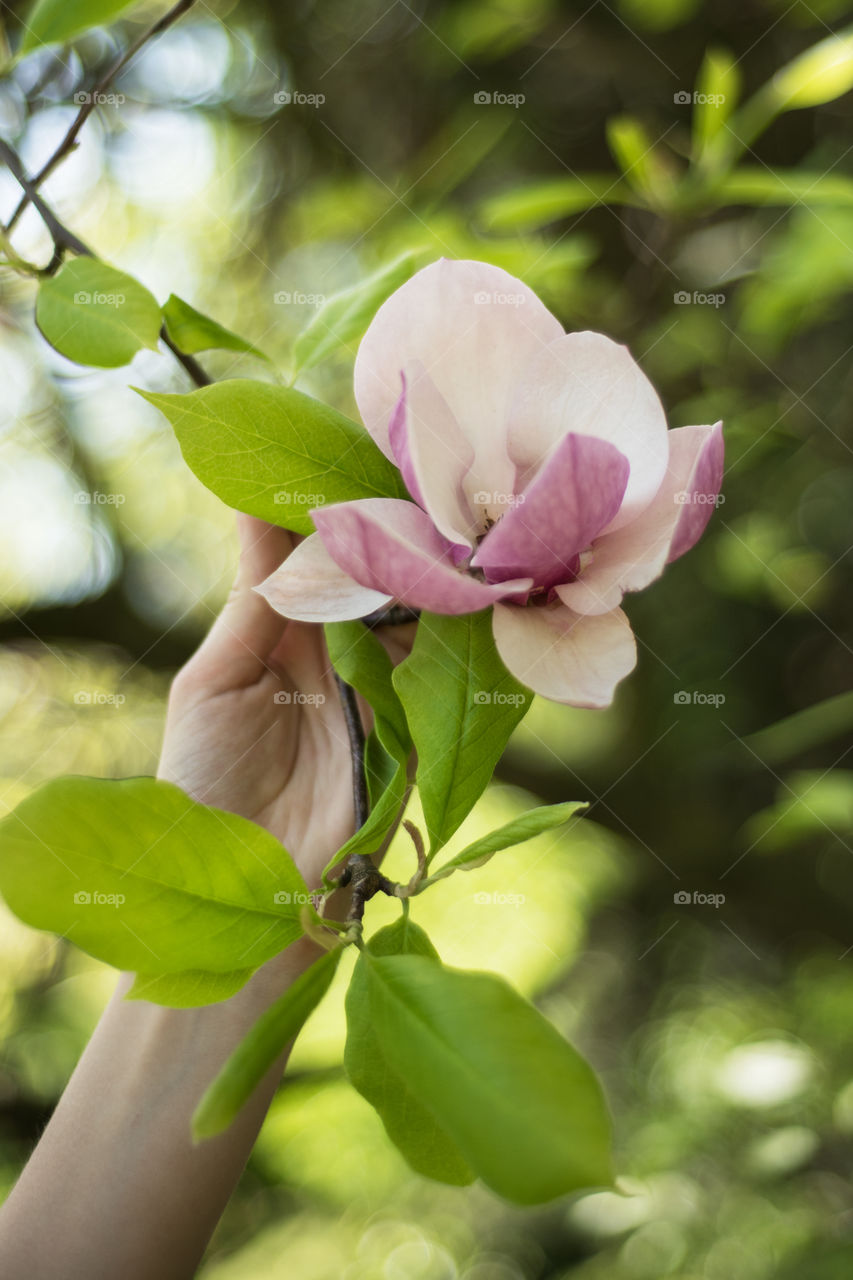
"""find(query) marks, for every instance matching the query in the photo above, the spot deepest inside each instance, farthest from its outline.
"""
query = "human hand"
(254, 723)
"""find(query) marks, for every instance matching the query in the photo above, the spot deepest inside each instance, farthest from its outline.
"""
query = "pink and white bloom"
(545, 483)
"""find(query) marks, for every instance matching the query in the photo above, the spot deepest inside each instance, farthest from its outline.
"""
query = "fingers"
(236, 651)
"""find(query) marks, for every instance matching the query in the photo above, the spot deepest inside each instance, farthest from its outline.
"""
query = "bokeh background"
(722, 1024)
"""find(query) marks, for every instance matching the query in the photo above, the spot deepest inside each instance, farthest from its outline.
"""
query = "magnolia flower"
(544, 482)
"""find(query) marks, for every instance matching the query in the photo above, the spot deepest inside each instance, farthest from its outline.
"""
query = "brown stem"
(355, 733)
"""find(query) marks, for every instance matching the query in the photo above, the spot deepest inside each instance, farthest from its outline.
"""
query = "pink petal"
(576, 493)
(475, 328)
(311, 587)
(700, 491)
(564, 656)
(634, 556)
(585, 383)
(433, 456)
(393, 547)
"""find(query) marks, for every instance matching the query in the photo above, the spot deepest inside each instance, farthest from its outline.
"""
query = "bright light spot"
(190, 62)
(164, 158)
(762, 1075)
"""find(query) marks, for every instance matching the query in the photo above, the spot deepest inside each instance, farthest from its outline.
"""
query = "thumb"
(238, 645)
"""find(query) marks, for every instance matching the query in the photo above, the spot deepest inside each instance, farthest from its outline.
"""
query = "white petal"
(475, 328)
(563, 655)
(311, 587)
(586, 383)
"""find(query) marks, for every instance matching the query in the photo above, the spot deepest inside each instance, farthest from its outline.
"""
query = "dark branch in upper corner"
(69, 141)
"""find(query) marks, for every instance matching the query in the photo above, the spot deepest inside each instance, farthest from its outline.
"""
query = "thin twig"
(66, 146)
(61, 236)
(355, 733)
(64, 239)
(189, 362)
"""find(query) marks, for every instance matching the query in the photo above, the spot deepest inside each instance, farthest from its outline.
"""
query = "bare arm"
(115, 1186)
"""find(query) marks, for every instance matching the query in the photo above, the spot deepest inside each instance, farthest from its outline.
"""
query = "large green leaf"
(274, 452)
(193, 331)
(462, 705)
(189, 989)
(54, 21)
(410, 1126)
(344, 317)
(94, 314)
(525, 827)
(523, 1107)
(142, 877)
(257, 1052)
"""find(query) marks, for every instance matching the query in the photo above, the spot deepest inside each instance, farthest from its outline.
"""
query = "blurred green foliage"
(716, 239)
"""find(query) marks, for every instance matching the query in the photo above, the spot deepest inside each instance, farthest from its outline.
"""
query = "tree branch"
(61, 236)
(355, 733)
(68, 143)
(65, 239)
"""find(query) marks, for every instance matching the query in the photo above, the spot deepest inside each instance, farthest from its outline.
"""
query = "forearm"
(115, 1186)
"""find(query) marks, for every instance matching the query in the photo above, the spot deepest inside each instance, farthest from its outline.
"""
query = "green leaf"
(257, 1052)
(140, 876)
(822, 722)
(783, 187)
(528, 207)
(717, 90)
(96, 315)
(410, 1126)
(193, 332)
(462, 705)
(813, 805)
(638, 158)
(819, 75)
(274, 452)
(54, 21)
(362, 661)
(344, 317)
(522, 1106)
(516, 832)
(372, 834)
(187, 990)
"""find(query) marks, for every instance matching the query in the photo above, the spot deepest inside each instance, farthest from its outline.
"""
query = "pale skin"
(115, 1186)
